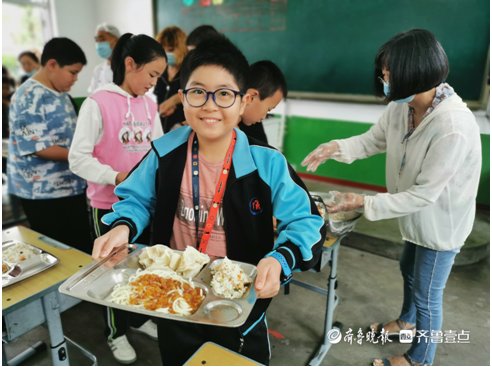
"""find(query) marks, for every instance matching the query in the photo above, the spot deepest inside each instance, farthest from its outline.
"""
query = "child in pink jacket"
(115, 127)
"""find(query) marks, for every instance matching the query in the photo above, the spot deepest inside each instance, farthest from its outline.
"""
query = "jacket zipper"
(241, 343)
(243, 334)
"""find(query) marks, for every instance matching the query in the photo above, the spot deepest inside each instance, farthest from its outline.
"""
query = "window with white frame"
(26, 26)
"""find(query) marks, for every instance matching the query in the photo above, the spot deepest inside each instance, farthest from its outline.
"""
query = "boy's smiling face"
(210, 122)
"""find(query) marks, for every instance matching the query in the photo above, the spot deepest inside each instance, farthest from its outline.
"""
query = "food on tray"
(344, 216)
(5, 267)
(192, 261)
(159, 290)
(188, 263)
(229, 280)
(17, 253)
(324, 199)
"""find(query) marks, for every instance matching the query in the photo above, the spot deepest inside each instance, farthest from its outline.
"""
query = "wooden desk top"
(330, 240)
(70, 261)
(211, 354)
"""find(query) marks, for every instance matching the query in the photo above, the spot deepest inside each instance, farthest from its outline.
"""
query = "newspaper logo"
(406, 336)
(334, 336)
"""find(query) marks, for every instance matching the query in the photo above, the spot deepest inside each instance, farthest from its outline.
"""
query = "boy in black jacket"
(267, 87)
(186, 172)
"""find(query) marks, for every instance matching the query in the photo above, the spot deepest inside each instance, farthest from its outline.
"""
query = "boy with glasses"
(187, 170)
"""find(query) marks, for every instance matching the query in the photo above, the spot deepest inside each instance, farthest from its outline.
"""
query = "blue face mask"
(171, 58)
(386, 91)
(103, 49)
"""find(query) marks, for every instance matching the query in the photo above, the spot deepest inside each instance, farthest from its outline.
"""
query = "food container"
(339, 223)
(24, 261)
(95, 282)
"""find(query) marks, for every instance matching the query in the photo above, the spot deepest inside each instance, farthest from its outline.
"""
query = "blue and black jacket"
(261, 185)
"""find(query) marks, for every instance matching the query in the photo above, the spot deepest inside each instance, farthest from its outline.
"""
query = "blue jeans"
(425, 273)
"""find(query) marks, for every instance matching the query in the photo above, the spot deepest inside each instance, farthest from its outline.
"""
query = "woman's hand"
(116, 237)
(345, 201)
(168, 107)
(320, 155)
(120, 177)
(267, 282)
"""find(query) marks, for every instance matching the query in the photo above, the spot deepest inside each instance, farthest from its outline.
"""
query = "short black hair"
(267, 78)
(200, 34)
(140, 47)
(416, 62)
(64, 51)
(221, 52)
(29, 54)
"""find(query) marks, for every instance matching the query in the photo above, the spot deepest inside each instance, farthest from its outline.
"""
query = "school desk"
(36, 300)
(211, 354)
(329, 256)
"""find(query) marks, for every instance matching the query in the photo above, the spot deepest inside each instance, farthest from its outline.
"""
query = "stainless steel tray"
(20, 270)
(95, 282)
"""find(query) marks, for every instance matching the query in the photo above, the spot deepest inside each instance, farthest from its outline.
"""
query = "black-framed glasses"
(223, 97)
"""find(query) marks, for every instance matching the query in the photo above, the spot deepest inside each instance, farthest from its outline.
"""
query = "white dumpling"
(175, 260)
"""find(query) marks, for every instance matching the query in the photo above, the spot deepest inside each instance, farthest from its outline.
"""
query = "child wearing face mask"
(106, 37)
(173, 41)
(108, 143)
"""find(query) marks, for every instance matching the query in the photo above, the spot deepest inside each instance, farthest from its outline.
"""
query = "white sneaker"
(122, 350)
(149, 328)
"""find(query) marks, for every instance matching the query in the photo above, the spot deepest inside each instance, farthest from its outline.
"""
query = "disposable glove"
(345, 201)
(320, 155)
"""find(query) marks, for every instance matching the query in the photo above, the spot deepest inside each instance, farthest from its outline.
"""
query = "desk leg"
(331, 302)
(59, 352)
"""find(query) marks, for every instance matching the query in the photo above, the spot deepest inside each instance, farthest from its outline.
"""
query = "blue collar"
(242, 158)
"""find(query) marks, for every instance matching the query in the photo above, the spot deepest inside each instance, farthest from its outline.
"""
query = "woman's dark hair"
(219, 51)
(64, 51)
(267, 78)
(416, 62)
(200, 34)
(29, 54)
(140, 47)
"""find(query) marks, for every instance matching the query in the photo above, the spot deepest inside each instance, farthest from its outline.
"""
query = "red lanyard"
(219, 191)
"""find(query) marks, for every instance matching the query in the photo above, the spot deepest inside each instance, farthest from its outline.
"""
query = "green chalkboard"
(328, 46)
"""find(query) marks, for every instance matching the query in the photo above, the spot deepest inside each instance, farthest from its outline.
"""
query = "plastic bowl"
(336, 223)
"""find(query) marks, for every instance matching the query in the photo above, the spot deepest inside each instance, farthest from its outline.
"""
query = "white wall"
(77, 20)
(353, 112)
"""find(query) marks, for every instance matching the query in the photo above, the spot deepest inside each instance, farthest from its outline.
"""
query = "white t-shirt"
(102, 75)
